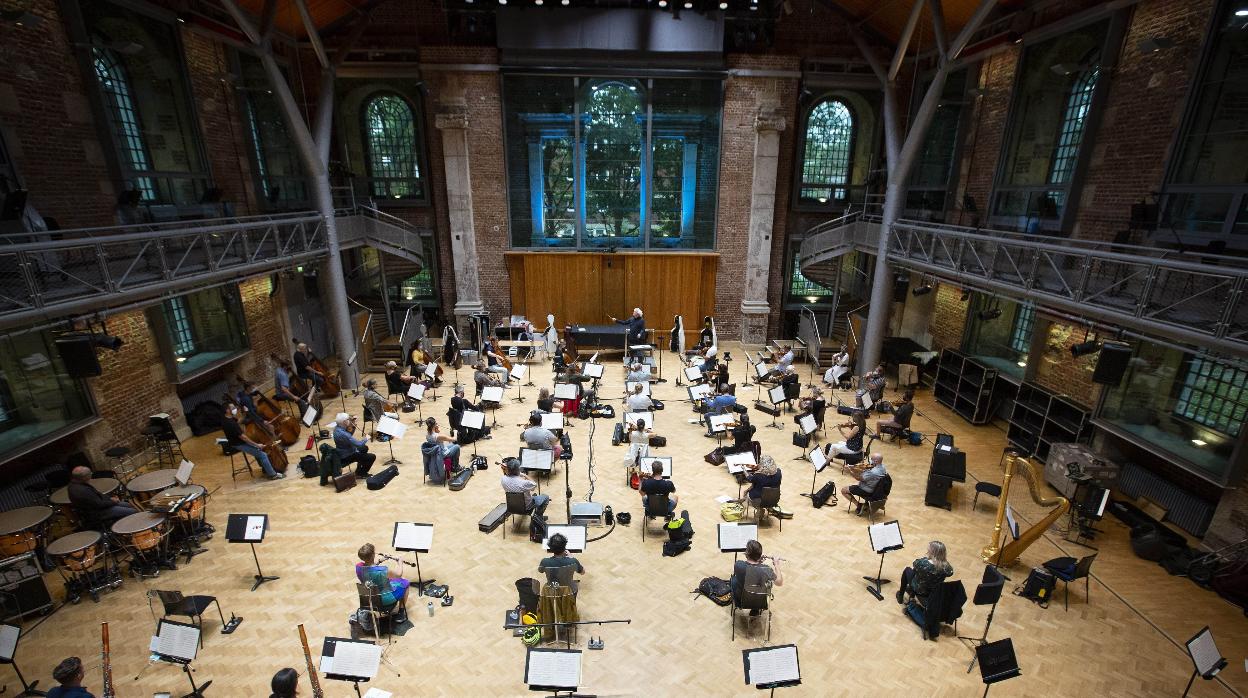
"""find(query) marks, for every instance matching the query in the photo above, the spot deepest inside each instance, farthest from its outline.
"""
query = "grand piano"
(611, 337)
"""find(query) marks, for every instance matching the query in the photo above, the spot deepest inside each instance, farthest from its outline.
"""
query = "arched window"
(825, 161)
(613, 144)
(118, 96)
(390, 147)
(1070, 133)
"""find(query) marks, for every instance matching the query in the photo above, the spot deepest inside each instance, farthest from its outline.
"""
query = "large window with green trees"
(391, 147)
(825, 158)
(612, 162)
(199, 331)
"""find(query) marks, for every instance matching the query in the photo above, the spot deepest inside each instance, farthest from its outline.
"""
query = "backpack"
(1038, 587)
(537, 529)
(309, 466)
(916, 438)
(658, 441)
(731, 511)
(679, 535)
(716, 589)
(825, 493)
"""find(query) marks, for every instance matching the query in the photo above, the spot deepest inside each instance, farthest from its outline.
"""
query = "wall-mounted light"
(1153, 44)
(1084, 348)
(989, 314)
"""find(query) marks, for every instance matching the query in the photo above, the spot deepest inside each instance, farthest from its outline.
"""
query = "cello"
(569, 346)
(418, 355)
(271, 447)
(330, 386)
(491, 345)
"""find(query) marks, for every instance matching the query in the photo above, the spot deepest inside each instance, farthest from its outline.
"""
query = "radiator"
(1184, 509)
(16, 496)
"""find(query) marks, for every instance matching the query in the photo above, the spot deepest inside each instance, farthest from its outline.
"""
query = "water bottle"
(430, 606)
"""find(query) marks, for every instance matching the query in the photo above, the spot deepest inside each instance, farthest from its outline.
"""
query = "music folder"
(693, 373)
(737, 462)
(246, 528)
(807, 423)
(761, 369)
(492, 393)
(391, 427)
(565, 391)
(183, 476)
(416, 391)
(734, 536)
(776, 395)
(412, 537)
(431, 370)
(720, 422)
(345, 659)
(1205, 655)
(818, 459)
(552, 421)
(552, 670)
(175, 642)
(519, 371)
(646, 465)
(885, 536)
(575, 533)
(309, 417)
(770, 667)
(9, 635)
(997, 661)
(701, 391)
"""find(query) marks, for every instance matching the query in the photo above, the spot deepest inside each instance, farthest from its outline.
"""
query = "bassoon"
(107, 691)
(307, 657)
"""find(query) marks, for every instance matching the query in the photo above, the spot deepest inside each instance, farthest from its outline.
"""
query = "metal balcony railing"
(1194, 299)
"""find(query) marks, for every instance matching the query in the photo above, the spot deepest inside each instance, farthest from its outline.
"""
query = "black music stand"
(997, 662)
(410, 537)
(243, 528)
(393, 429)
(805, 426)
(775, 395)
(523, 370)
(329, 650)
(884, 537)
(732, 537)
(9, 635)
(416, 393)
(176, 643)
(818, 461)
(1207, 661)
(987, 593)
(553, 670)
(769, 668)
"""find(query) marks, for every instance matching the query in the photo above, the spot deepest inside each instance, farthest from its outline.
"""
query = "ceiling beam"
(938, 28)
(903, 42)
(314, 35)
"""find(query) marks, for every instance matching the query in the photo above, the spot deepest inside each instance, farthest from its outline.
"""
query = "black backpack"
(679, 535)
(825, 493)
(1038, 587)
(715, 589)
(537, 529)
(309, 466)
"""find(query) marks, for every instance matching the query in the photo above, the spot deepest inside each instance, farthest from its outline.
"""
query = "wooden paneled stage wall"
(587, 287)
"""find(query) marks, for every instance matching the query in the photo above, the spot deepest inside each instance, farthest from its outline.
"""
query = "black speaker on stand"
(901, 284)
(938, 491)
(78, 353)
(1111, 365)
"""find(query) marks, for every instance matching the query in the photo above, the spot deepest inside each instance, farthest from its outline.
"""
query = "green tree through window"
(829, 141)
(390, 137)
(613, 142)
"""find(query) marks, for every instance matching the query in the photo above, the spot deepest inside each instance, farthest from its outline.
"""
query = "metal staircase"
(1191, 298)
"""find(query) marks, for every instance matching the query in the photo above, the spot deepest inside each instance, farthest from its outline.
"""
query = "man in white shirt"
(639, 401)
(539, 437)
(515, 481)
(636, 375)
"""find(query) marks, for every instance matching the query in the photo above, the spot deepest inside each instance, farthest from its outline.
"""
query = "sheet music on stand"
(174, 641)
(519, 371)
(776, 394)
(693, 373)
(246, 528)
(566, 391)
(391, 427)
(632, 417)
(630, 386)
(552, 670)
(472, 420)
(720, 422)
(575, 533)
(345, 659)
(183, 476)
(807, 423)
(410, 536)
(818, 459)
(492, 393)
(701, 391)
(9, 635)
(885, 536)
(431, 370)
(867, 401)
(737, 462)
(734, 536)
(593, 370)
(309, 417)
(770, 667)
(761, 369)
(536, 459)
(1009, 519)
(646, 465)
(416, 391)
(553, 421)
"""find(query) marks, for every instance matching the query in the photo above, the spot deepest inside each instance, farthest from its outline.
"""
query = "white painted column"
(454, 127)
(754, 307)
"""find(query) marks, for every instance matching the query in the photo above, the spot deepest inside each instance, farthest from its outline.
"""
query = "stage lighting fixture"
(990, 314)
(1084, 348)
(921, 290)
(723, 5)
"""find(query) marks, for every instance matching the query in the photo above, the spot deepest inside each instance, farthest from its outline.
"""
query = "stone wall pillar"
(453, 123)
(754, 307)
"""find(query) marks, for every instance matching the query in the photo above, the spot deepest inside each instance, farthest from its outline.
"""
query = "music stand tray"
(417, 538)
(997, 662)
(250, 529)
(769, 668)
(885, 537)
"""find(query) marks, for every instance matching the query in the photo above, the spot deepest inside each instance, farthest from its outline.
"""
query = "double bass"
(330, 386)
(268, 443)
(285, 427)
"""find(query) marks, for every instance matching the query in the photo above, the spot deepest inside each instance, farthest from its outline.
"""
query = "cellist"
(303, 365)
(243, 398)
(235, 437)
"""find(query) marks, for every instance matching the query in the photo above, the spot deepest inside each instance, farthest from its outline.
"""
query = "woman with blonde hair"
(925, 574)
(767, 474)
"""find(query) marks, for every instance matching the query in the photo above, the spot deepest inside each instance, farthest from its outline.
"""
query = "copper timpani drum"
(77, 551)
(148, 485)
(106, 486)
(192, 509)
(140, 532)
(21, 530)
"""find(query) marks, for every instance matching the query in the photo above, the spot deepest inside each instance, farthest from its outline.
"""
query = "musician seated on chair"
(636, 374)
(839, 367)
(351, 449)
(900, 423)
(545, 402)
(721, 404)
(783, 363)
(303, 365)
(450, 449)
(392, 585)
(656, 484)
(868, 480)
(468, 434)
(284, 684)
(559, 557)
(812, 404)
(494, 361)
(237, 440)
(516, 481)
(754, 559)
(91, 505)
(282, 390)
(765, 474)
(874, 383)
(374, 403)
(539, 437)
(69, 674)
(925, 574)
(638, 401)
(742, 434)
(710, 359)
(484, 378)
(396, 382)
(852, 439)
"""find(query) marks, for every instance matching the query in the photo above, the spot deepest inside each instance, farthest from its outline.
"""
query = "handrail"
(849, 325)
(132, 231)
(407, 316)
(814, 327)
(368, 325)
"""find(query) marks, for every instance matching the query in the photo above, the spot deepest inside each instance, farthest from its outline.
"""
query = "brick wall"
(1055, 368)
(221, 128)
(264, 328)
(948, 317)
(986, 129)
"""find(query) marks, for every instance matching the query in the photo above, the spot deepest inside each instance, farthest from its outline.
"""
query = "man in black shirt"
(902, 414)
(303, 365)
(235, 437)
(95, 508)
(655, 484)
(636, 327)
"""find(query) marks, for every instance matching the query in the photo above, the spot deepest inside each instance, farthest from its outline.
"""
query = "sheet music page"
(775, 665)
(472, 420)
(632, 418)
(807, 423)
(565, 391)
(178, 640)
(761, 369)
(255, 529)
(867, 402)
(8, 640)
(183, 476)
(734, 536)
(885, 535)
(1009, 519)
(776, 394)
(817, 459)
(630, 386)
(416, 391)
(535, 459)
(413, 536)
(693, 373)
(309, 417)
(391, 427)
(431, 369)
(593, 370)
(518, 371)
(645, 465)
(720, 422)
(700, 391)
(575, 535)
(736, 462)
(594, 359)
(357, 659)
(375, 692)
(552, 420)
(1205, 654)
(554, 668)
(492, 393)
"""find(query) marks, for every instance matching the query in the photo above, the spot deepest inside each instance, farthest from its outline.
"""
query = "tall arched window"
(118, 96)
(1070, 132)
(825, 161)
(390, 146)
(613, 143)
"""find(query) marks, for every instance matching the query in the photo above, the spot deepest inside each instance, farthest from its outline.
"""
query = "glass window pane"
(1197, 213)
(541, 160)
(37, 395)
(826, 157)
(685, 162)
(279, 171)
(203, 328)
(390, 138)
(802, 288)
(613, 126)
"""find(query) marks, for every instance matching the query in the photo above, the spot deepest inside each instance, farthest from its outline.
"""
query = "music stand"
(344, 659)
(472, 419)
(997, 662)
(736, 463)
(415, 538)
(519, 371)
(9, 635)
(250, 529)
(985, 594)
(733, 537)
(776, 396)
(806, 425)
(818, 461)
(593, 370)
(553, 670)
(416, 393)
(693, 374)
(577, 535)
(884, 537)
(183, 476)
(431, 372)
(537, 459)
(1207, 661)
(494, 394)
(768, 668)
(393, 428)
(176, 643)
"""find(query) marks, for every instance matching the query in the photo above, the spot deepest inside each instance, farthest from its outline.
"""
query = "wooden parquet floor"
(1126, 642)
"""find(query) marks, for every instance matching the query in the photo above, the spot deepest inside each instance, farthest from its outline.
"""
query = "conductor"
(636, 327)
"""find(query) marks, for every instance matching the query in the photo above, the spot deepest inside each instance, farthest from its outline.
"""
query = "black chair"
(792, 391)
(879, 497)
(235, 469)
(1083, 570)
(517, 505)
(454, 417)
(820, 409)
(944, 607)
(848, 459)
(753, 593)
(768, 498)
(193, 607)
(658, 506)
(370, 604)
(987, 488)
(988, 593)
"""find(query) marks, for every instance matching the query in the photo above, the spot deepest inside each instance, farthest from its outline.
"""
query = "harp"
(996, 554)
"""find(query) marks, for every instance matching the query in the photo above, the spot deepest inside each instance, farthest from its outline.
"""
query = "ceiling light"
(565, 3)
(723, 5)
(538, 2)
(688, 5)
(502, 2)
(1022, 364)
(1242, 12)
(1198, 442)
(662, 3)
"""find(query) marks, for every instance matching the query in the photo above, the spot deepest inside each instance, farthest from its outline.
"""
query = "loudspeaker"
(78, 354)
(1112, 363)
(937, 491)
(311, 289)
(901, 284)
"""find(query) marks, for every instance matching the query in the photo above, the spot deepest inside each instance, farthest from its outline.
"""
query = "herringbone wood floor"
(1127, 641)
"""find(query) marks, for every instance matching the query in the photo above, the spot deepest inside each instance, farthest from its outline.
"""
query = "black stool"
(987, 488)
(234, 468)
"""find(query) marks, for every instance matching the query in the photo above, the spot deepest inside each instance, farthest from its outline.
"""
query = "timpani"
(22, 530)
(106, 486)
(143, 536)
(77, 557)
(148, 485)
